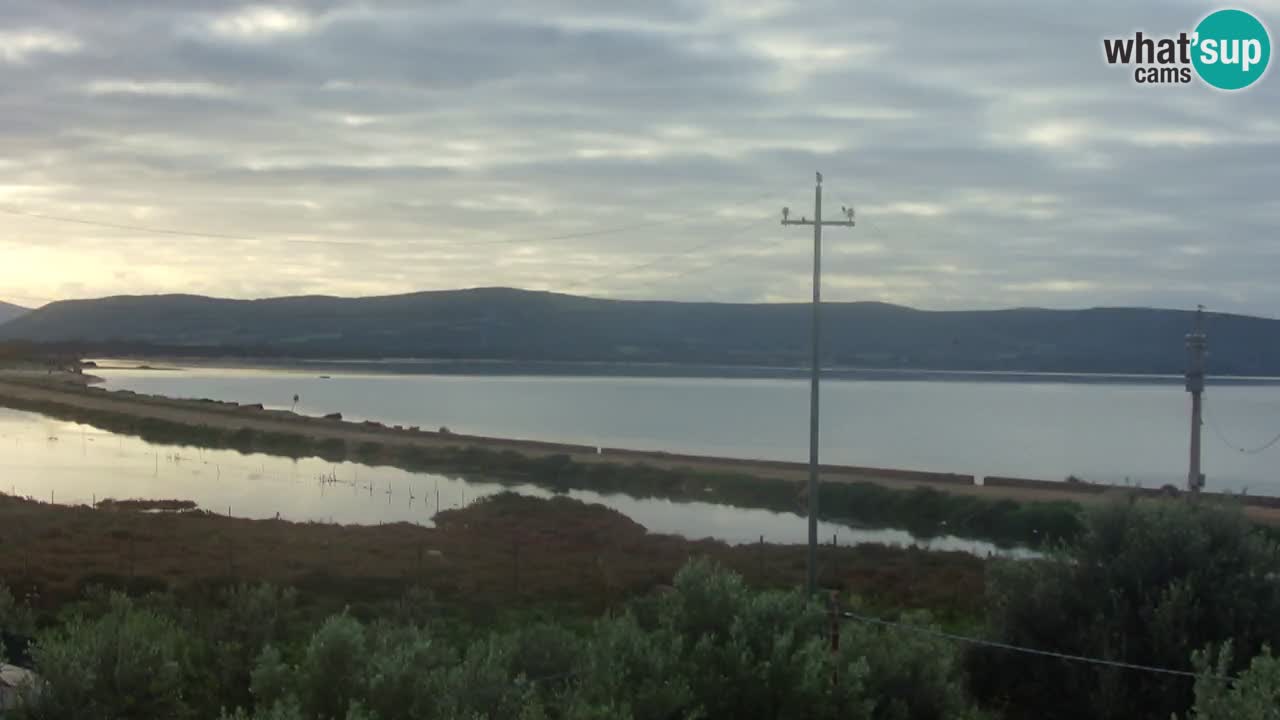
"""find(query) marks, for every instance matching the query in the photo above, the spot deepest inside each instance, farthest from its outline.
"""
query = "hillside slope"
(9, 311)
(507, 324)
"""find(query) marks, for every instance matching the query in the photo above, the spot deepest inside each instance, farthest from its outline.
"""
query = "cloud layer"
(627, 150)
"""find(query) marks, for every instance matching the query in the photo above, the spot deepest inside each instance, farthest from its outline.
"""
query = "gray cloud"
(377, 147)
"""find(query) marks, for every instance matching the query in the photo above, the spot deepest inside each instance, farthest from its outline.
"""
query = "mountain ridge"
(524, 325)
(9, 311)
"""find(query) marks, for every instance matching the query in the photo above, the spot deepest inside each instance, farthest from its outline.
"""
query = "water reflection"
(1120, 432)
(69, 463)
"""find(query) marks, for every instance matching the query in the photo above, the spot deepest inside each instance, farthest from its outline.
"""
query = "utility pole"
(1197, 343)
(811, 566)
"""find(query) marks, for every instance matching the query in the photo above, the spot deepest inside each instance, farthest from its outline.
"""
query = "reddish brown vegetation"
(506, 551)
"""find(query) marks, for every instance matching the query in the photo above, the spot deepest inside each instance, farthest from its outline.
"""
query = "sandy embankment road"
(75, 391)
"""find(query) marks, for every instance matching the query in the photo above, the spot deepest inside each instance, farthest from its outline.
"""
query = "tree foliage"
(131, 662)
(15, 616)
(711, 648)
(17, 623)
(1146, 583)
(1254, 695)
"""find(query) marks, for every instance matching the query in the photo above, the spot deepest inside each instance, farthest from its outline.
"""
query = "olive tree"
(1254, 695)
(1148, 583)
(129, 663)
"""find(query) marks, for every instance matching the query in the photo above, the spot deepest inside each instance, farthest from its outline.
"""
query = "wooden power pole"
(1197, 343)
(811, 581)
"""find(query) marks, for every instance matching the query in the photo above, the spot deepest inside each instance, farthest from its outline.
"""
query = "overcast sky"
(635, 150)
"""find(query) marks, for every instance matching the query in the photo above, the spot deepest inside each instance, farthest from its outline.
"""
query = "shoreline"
(78, 392)
(285, 432)
(510, 368)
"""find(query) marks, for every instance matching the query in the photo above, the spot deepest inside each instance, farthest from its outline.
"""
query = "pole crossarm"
(824, 223)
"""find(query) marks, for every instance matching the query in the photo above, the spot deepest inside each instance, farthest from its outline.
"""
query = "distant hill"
(507, 324)
(9, 311)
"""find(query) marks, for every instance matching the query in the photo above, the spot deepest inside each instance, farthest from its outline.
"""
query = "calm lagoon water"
(1039, 427)
(69, 463)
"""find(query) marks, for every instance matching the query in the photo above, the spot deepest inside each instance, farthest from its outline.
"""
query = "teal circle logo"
(1231, 50)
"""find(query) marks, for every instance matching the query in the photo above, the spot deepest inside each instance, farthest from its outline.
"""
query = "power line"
(876, 226)
(670, 256)
(922, 630)
(599, 278)
(1209, 420)
(722, 262)
(726, 260)
(250, 238)
(351, 243)
(168, 231)
(680, 219)
(880, 231)
(1218, 431)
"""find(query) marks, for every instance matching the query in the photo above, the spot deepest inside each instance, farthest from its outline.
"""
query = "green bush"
(17, 623)
(908, 675)
(710, 648)
(129, 663)
(748, 654)
(249, 619)
(1146, 583)
(630, 673)
(1255, 694)
(484, 684)
(242, 440)
(928, 512)
(289, 444)
(332, 448)
(405, 673)
(333, 669)
(271, 680)
(16, 617)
